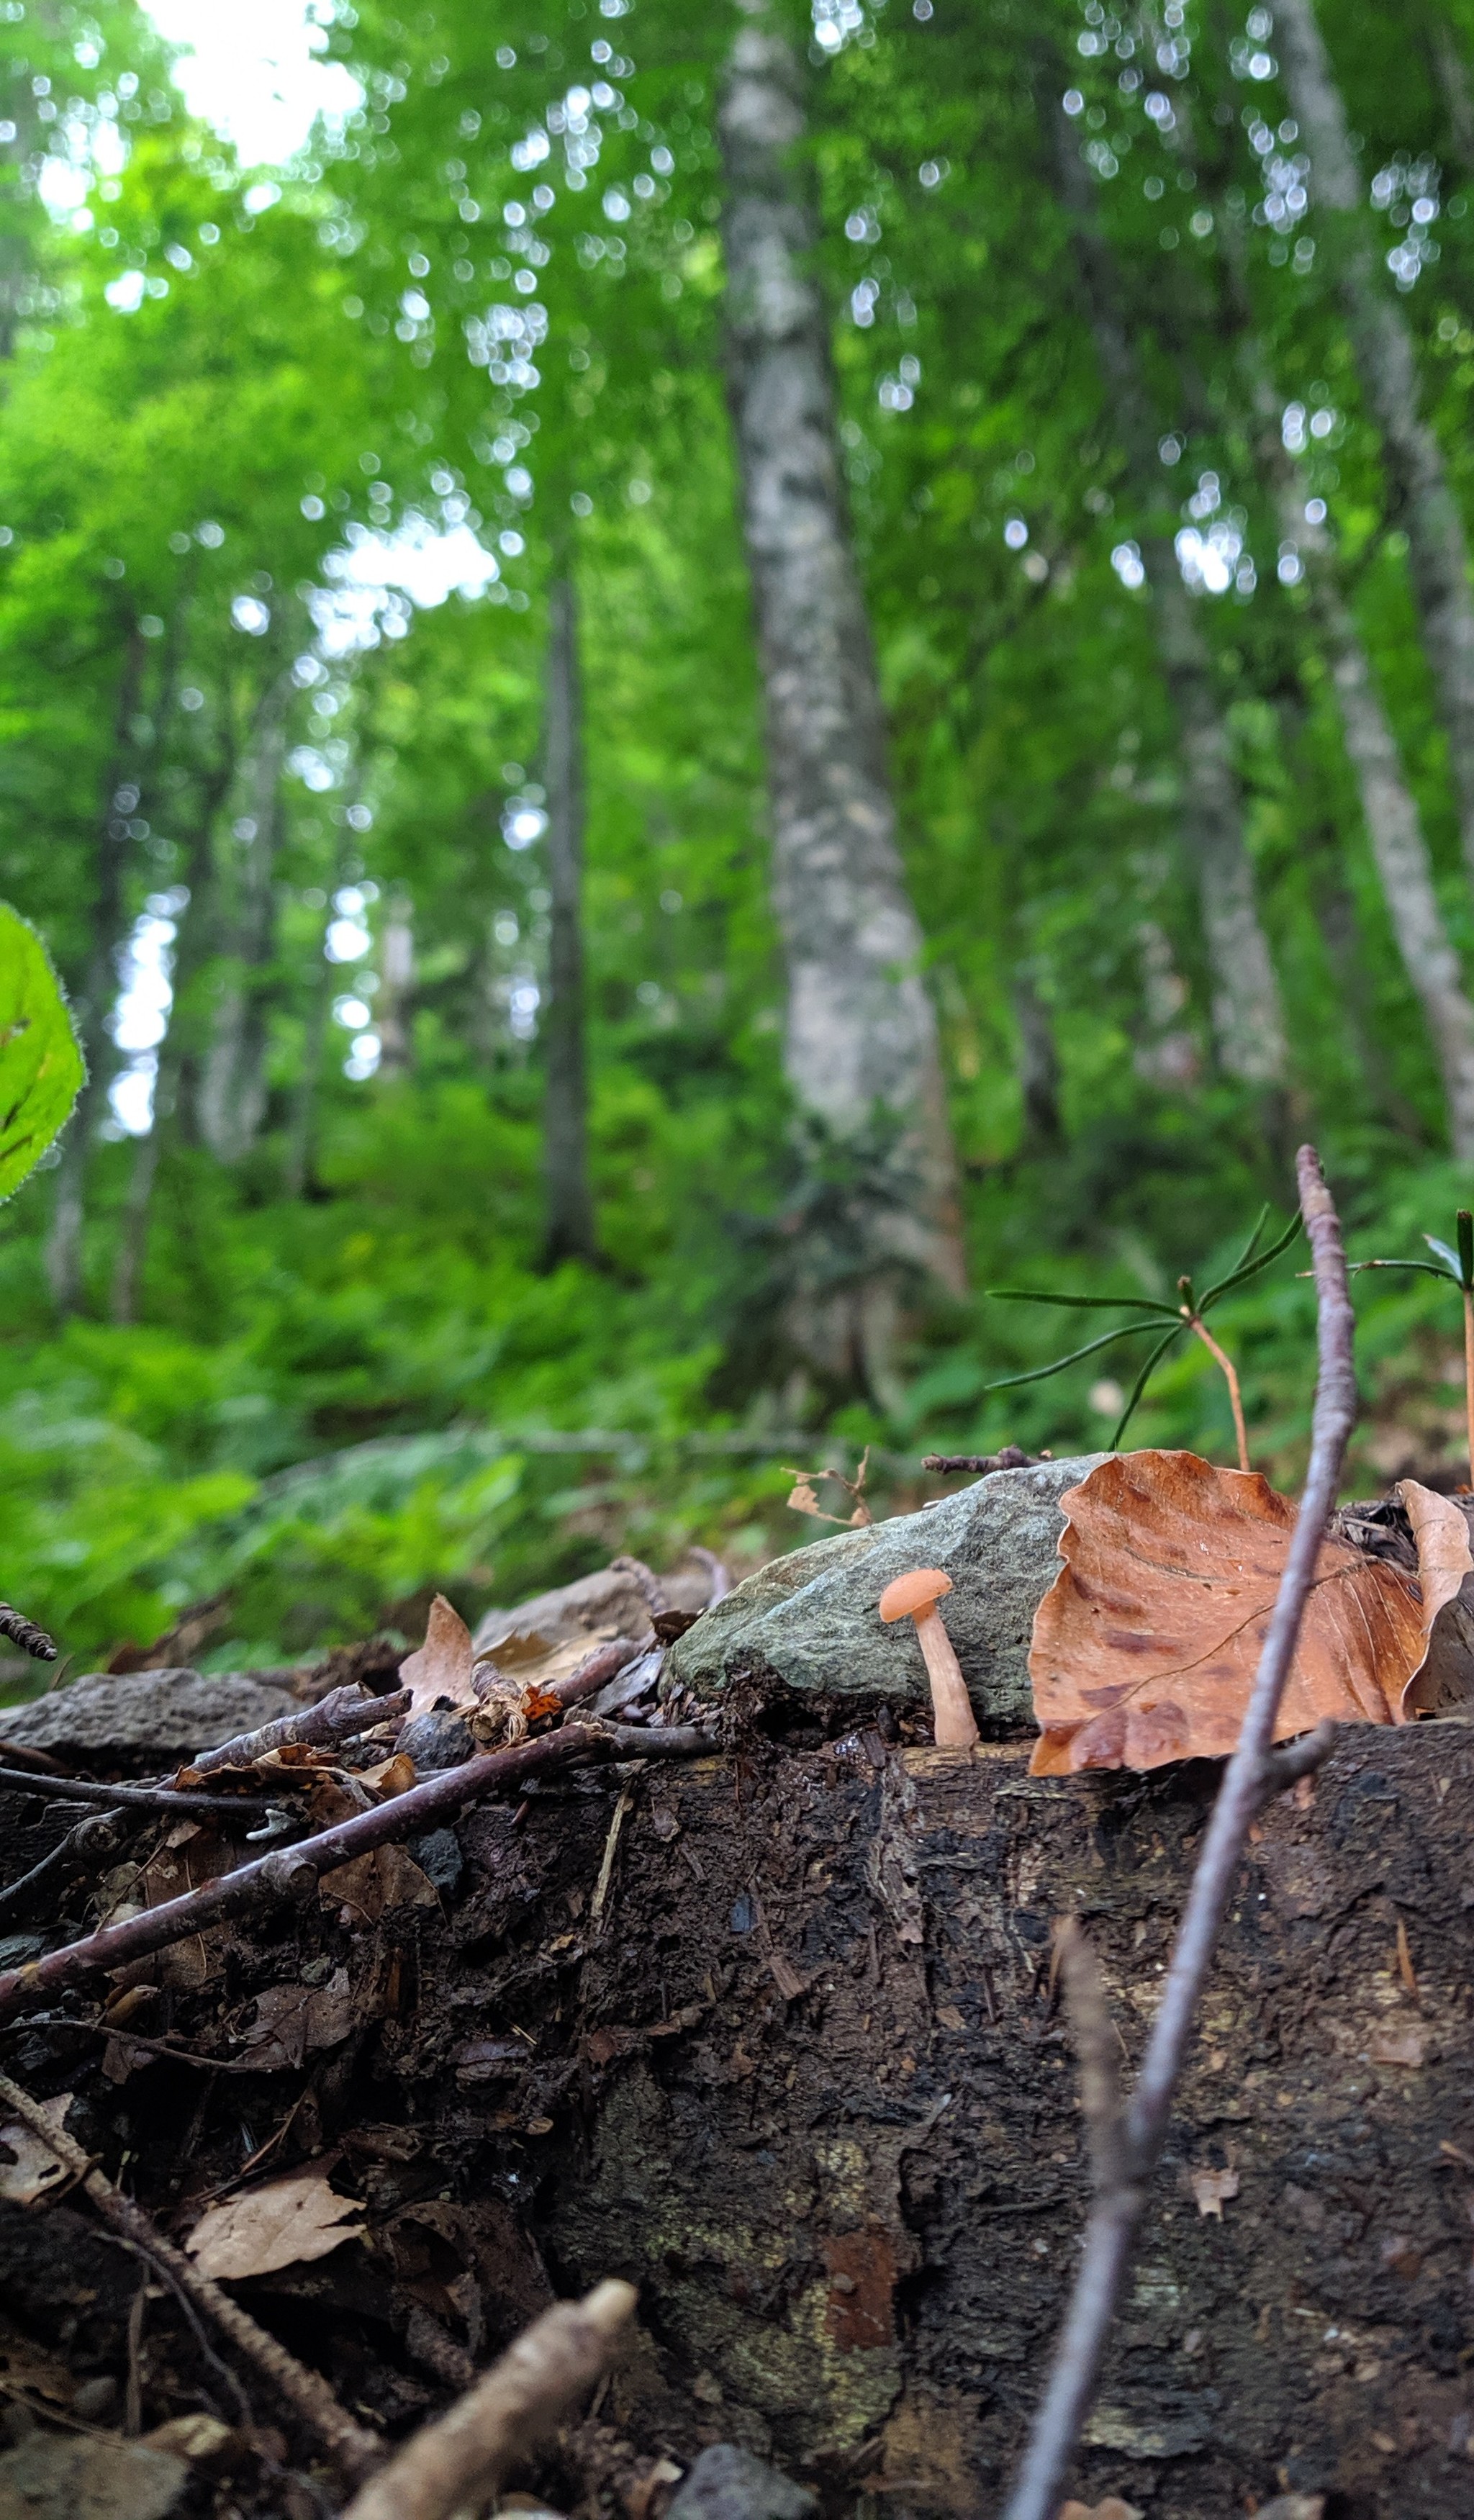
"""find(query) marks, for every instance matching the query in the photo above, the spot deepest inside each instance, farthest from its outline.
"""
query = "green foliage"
(346, 1381)
(41, 1067)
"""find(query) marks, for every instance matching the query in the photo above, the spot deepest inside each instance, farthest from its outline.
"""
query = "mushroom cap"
(912, 1593)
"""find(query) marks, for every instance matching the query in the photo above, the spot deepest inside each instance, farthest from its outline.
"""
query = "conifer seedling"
(1185, 1316)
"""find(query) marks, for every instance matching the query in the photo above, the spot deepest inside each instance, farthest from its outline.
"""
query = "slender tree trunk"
(571, 1231)
(233, 1088)
(861, 1044)
(1386, 363)
(1038, 1067)
(1248, 1024)
(1453, 78)
(397, 983)
(94, 1004)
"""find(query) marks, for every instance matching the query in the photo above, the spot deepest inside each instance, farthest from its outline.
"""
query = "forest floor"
(773, 2033)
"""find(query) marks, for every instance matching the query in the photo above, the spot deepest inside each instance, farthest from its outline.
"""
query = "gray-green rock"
(164, 1714)
(809, 1619)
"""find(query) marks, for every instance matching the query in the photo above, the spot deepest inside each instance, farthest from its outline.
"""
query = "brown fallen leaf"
(442, 1666)
(1214, 2189)
(1399, 2044)
(1146, 1647)
(1112, 2508)
(28, 2165)
(283, 2223)
(291, 2021)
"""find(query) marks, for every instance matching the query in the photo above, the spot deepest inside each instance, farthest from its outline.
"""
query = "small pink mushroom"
(916, 1596)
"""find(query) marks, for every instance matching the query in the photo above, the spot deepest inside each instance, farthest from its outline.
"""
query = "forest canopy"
(711, 680)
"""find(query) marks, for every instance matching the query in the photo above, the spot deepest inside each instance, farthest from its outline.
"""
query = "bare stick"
(458, 2464)
(335, 1718)
(26, 1634)
(646, 1584)
(1121, 2201)
(1200, 1331)
(1469, 1374)
(1010, 1457)
(293, 1871)
(155, 1799)
(604, 1663)
(81, 1850)
(354, 2449)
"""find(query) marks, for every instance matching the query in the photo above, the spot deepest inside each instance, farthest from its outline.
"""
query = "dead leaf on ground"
(28, 2165)
(291, 2021)
(1214, 2189)
(442, 1666)
(1144, 1648)
(283, 2223)
(1399, 2044)
(1112, 2508)
(367, 1888)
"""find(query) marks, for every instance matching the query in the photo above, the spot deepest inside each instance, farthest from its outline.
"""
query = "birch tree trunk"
(1386, 364)
(860, 1038)
(570, 1232)
(232, 1098)
(397, 983)
(1248, 1023)
(93, 1006)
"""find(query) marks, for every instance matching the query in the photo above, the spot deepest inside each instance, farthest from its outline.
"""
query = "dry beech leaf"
(1406, 2043)
(1112, 2508)
(442, 1666)
(1146, 1647)
(292, 2019)
(34, 2167)
(1214, 2188)
(283, 2223)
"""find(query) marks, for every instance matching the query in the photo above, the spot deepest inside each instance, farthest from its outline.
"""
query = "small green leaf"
(1246, 1269)
(41, 1067)
(1042, 1372)
(1141, 1381)
(1080, 1303)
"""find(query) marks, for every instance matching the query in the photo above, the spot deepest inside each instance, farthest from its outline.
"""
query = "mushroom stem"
(955, 1728)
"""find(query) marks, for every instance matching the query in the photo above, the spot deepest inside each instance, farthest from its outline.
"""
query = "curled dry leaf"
(1146, 1647)
(28, 2165)
(442, 1666)
(1214, 2189)
(283, 2223)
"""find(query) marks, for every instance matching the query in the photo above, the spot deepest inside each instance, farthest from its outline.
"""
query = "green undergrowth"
(335, 1407)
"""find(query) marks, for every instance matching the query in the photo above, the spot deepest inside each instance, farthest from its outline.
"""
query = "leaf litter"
(1146, 1647)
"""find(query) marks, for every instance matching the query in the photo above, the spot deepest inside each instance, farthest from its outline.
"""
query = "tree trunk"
(1248, 1024)
(570, 1232)
(1038, 1067)
(861, 1041)
(94, 1004)
(1386, 364)
(396, 981)
(1452, 78)
(233, 1089)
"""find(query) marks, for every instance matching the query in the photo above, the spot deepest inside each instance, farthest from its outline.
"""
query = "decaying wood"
(352, 2448)
(1130, 2165)
(458, 2463)
(338, 1717)
(292, 1873)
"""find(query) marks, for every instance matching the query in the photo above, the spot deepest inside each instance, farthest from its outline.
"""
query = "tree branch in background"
(1125, 2164)
(458, 2464)
(338, 1717)
(26, 1634)
(307, 2392)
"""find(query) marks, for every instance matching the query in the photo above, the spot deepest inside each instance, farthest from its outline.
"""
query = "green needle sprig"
(1186, 1316)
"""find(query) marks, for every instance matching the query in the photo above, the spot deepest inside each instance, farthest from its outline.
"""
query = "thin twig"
(1009, 1457)
(458, 2464)
(1119, 2205)
(83, 1848)
(335, 1718)
(354, 2449)
(603, 1664)
(293, 1871)
(26, 1634)
(1469, 1374)
(157, 1798)
(1200, 1330)
(647, 1583)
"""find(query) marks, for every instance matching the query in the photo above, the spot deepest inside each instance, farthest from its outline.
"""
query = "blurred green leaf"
(41, 1070)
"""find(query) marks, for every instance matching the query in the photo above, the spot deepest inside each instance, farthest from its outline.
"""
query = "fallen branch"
(458, 2464)
(1123, 2176)
(335, 1718)
(354, 2449)
(293, 1871)
(157, 1798)
(604, 1663)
